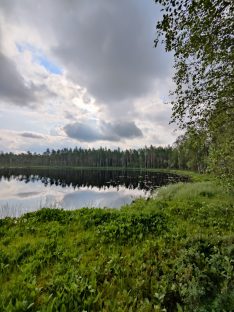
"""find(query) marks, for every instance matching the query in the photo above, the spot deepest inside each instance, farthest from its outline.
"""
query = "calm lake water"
(24, 190)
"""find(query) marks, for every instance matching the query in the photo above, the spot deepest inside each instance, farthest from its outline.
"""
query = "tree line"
(179, 156)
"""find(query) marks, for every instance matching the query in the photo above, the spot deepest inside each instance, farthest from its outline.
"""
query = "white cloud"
(109, 72)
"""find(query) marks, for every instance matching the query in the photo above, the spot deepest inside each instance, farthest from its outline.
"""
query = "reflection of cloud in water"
(92, 198)
(24, 190)
(27, 194)
(17, 197)
(15, 207)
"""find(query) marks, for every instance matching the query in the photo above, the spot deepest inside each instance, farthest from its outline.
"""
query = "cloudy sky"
(82, 73)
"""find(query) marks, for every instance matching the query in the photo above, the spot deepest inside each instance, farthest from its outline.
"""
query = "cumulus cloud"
(109, 49)
(80, 63)
(106, 46)
(32, 135)
(12, 86)
(92, 131)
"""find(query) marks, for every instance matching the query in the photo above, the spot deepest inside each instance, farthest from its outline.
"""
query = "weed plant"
(174, 252)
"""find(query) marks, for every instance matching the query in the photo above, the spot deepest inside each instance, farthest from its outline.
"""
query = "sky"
(82, 73)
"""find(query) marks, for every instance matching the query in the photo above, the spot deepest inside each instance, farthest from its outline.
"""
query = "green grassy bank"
(174, 252)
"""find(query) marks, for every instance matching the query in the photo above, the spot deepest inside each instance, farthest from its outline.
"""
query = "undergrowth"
(174, 252)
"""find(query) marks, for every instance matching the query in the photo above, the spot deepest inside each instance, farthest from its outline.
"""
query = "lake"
(26, 190)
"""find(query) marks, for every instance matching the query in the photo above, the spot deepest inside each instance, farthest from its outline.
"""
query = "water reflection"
(24, 190)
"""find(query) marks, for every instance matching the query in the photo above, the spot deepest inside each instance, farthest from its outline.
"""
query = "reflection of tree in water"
(92, 178)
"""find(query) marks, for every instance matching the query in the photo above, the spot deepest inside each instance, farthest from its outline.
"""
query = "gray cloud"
(83, 132)
(106, 46)
(69, 115)
(12, 87)
(159, 118)
(91, 131)
(32, 135)
(122, 129)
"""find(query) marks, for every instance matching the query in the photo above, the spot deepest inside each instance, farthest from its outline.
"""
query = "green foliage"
(200, 33)
(131, 227)
(173, 252)
(191, 150)
(190, 191)
(46, 215)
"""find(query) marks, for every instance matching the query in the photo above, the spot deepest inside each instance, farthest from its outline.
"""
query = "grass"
(174, 252)
(191, 191)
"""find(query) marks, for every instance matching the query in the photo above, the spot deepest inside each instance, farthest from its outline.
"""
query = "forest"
(178, 156)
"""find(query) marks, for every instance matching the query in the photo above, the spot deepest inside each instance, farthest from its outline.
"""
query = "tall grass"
(190, 191)
(173, 252)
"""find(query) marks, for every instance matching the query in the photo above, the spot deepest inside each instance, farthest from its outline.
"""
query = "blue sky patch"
(39, 58)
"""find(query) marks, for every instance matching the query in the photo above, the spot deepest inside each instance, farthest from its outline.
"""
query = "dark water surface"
(25, 190)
